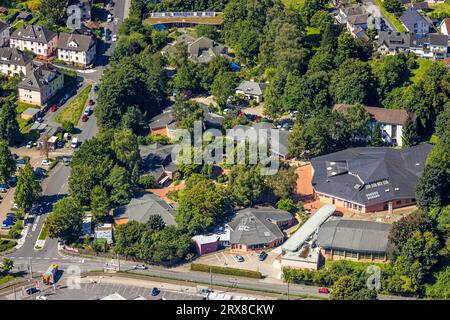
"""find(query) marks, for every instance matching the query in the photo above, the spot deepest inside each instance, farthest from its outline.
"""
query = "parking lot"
(251, 262)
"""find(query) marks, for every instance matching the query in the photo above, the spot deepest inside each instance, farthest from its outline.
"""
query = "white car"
(140, 267)
(15, 206)
(109, 18)
(41, 298)
(114, 37)
(46, 162)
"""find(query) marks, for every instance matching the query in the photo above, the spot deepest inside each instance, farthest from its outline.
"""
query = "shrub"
(14, 232)
(227, 271)
(6, 245)
(146, 181)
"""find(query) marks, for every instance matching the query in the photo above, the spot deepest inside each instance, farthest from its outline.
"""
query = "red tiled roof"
(383, 115)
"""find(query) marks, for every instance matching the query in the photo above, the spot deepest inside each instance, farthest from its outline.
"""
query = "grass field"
(24, 124)
(390, 16)
(293, 3)
(43, 234)
(72, 112)
(440, 10)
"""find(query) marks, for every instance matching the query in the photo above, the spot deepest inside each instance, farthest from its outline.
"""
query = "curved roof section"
(295, 242)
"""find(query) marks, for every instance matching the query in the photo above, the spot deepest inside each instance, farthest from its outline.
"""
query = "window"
(398, 202)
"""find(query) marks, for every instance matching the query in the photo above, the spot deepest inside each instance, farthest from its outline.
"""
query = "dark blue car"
(21, 161)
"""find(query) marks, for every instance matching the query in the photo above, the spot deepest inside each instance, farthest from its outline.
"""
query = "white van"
(74, 143)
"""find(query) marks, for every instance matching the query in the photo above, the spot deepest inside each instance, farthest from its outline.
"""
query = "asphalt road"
(56, 185)
(388, 22)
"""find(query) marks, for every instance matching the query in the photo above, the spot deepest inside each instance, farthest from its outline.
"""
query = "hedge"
(227, 271)
(6, 245)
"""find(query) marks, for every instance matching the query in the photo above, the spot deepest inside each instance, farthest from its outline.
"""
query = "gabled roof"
(370, 175)
(143, 206)
(75, 42)
(252, 87)
(354, 235)
(40, 77)
(254, 226)
(446, 22)
(381, 115)
(430, 39)
(162, 120)
(410, 17)
(394, 40)
(358, 19)
(14, 56)
(33, 33)
(353, 10)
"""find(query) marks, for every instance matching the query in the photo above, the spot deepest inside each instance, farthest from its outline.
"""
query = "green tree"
(7, 162)
(440, 289)
(120, 185)
(394, 6)
(286, 204)
(410, 137)
(223, 86)
(246, 185)
(53, 11)
(200, 204)
(351, 82)
(170, 245)
(349, 288)
(100, 202)
(27, 188)
(376, 136)
(9, 127)
(65, 220)
(127, 238)
(7, 265)
(206, 31)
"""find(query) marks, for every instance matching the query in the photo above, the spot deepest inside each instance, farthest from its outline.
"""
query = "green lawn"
(43, 234)
(390, 16)
(440, 10)
(24, 125)
(6, 279)
(293, 3)
(72, 112)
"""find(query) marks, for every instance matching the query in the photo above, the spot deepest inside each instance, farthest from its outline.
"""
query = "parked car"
(40, 119)
(96, 88)
(87, 111)
(109, 18)
(30, 144)
(11, 215)
(262, 256)
(140, 267)
(323, 290)
(114, 38)
(4, 186)
(54, 108)
(15, 156)
(41, 298)
(39, 172)
(7, 224)
(32, 290)
(239, 258)
(21, 161)
(15, 206)
(46, 162)
(66, 161)
(91, 102)
(155, 292)
(84, 118)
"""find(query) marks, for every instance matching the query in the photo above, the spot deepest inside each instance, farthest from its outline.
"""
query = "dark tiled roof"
(394, 40)
(162, 120)
(143, 206)
(14, 56)
(42, 76)
(33, 33)
(382, 115)
(354, 235)
(369, 175)
(75, 42)
(410, 17)
(254, 226)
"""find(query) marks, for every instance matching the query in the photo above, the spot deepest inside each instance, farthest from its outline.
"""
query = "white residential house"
(85, 8)
(251, 90)
(15, 62)
(445, 27)
(432, 46)
(390, 121)
(76, 49)
(42, 42)
(4, 34)
(41, 85)
(347, 11)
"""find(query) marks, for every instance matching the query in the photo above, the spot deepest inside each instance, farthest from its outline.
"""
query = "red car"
(84, 118)
(54, 108)
(91, 102)
(323, 290)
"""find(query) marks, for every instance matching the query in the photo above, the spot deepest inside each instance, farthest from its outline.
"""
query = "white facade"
(77, 57)
(42, 50)
(104, 232)
(9, 69)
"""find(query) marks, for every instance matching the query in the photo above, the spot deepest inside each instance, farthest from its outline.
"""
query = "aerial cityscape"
(224, 150)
